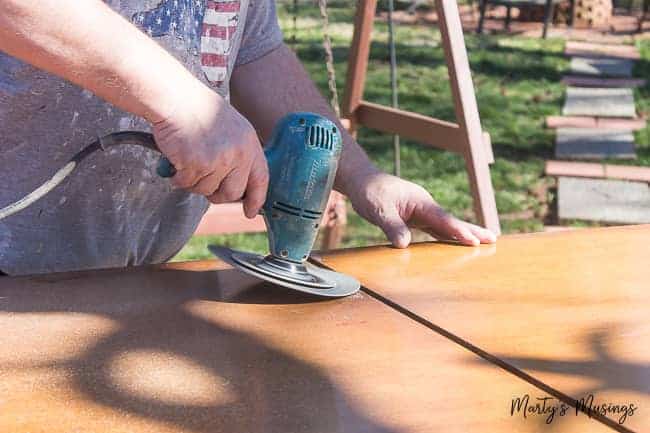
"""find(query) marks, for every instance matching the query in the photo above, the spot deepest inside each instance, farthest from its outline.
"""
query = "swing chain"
(329, 58)
(393, 85)
(294, 37)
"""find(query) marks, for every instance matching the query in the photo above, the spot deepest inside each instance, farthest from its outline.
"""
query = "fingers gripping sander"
(302, 155)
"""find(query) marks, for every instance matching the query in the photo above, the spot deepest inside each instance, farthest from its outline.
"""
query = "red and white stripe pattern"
(219, 26)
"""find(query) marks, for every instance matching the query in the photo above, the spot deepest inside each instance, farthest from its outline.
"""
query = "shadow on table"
(273, 390)
(610, 374)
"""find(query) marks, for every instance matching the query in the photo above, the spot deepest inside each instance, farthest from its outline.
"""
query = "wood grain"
(202, 348)
(418, 127)
(571, 309)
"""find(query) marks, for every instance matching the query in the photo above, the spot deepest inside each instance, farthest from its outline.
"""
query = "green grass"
(642, 96)
(517, 82)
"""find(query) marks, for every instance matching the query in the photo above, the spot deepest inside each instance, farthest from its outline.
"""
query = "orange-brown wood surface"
(200, 348)
(571, 309)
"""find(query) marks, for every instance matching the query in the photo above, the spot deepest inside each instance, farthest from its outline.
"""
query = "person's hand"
(395, 204)
(215, 150)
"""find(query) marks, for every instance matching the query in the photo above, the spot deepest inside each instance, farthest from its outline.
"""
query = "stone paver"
(610, 201)
(586, 101)
(582, 81)
(602, 66)
(590, 143)
(595, 122)
(578, 48)
(597, 170)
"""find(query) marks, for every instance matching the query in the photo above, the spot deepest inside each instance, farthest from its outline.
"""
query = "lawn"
(517, 82)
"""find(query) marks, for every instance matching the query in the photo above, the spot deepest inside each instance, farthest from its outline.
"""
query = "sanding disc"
(305, 277)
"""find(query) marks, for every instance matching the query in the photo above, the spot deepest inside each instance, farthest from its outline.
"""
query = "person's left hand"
(395, 204)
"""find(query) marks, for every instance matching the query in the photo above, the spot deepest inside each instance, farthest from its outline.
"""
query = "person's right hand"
(215, 150)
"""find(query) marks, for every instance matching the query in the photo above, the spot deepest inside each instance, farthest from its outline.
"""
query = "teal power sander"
(302, 156)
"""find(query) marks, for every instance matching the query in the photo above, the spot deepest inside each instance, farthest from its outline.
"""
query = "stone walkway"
(610, 201)
(594, 143)
(599, 102)
(598, 121)
(602, 67)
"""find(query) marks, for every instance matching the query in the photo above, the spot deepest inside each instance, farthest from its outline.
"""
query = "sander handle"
(165, 168)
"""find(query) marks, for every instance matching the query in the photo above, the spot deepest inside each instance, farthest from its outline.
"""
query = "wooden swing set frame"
(465, 137)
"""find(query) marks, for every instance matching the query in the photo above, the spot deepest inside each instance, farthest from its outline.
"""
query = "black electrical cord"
(144, 139)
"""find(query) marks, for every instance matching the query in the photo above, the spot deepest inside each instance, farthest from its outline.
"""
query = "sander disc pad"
(317, 281)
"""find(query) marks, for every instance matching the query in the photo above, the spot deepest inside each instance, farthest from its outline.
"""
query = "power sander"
(302, 155)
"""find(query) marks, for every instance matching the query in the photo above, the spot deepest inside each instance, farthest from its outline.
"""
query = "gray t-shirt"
(113, 211)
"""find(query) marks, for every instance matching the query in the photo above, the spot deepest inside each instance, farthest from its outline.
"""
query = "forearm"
(267, 89)
(92, 46)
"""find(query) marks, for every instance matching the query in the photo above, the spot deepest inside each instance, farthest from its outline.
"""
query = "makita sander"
(303, 156)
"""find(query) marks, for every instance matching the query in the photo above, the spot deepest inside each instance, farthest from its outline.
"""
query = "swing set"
(464, 137)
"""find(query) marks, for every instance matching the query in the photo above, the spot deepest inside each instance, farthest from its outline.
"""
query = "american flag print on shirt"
(209, 24)
(219, 25)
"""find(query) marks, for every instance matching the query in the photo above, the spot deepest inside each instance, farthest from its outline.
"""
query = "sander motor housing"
(302, 156)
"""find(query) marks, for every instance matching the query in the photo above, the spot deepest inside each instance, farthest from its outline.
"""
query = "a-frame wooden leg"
(358, 62)
(462, 90)
(334, 222)
(481, 20)
(549, 11)
(508, 18)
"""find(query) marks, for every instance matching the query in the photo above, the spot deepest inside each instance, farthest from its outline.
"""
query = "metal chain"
(329, 58)
(294, 38)
(336, 209)
(393, 85)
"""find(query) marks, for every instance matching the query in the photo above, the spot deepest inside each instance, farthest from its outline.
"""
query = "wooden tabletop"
(570, 309)
(198, 347)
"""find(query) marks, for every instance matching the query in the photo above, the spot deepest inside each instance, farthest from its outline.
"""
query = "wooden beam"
(588, 49)
(575, 169)
(228, 218)
(423, 129)
(595, 122)
(598, 171)
(358, 60)
(467, 116)
(487, 142)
